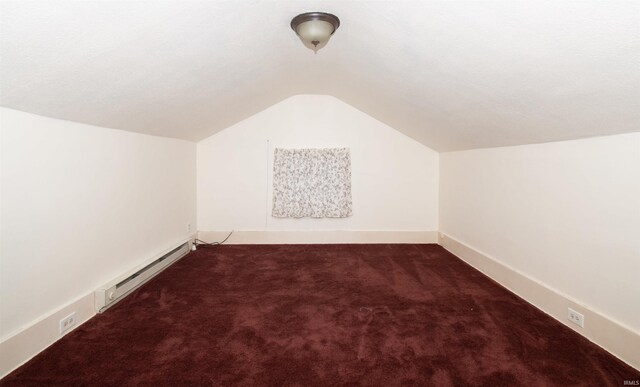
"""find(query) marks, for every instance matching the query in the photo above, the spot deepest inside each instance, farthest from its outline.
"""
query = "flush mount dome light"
(315, 28)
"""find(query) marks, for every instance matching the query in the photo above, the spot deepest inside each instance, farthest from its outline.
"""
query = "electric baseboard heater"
(111, 293)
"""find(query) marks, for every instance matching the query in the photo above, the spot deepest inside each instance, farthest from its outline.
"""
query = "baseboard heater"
(113, 292)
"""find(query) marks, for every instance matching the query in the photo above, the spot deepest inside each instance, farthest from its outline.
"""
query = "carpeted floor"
(321, 315)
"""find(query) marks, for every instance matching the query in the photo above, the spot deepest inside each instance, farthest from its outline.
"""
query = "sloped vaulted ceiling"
(451, 74)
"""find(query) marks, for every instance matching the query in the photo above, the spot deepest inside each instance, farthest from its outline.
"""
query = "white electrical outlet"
(189, 227)
(67, 323)
(575, 317)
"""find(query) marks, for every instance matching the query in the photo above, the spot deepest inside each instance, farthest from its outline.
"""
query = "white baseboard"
(605, 332)
(21, 347)
(614, 337)
(319, 237)
(27, 343)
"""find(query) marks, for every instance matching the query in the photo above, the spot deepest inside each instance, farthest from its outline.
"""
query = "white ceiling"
(451, 74)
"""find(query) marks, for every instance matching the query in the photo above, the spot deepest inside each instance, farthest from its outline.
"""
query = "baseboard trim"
(24, 345)
(612, 336)
(318, 236)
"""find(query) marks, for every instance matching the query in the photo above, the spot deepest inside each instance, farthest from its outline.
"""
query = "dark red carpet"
(321, 315)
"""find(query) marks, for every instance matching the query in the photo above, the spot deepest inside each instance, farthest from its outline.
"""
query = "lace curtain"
(312, 183)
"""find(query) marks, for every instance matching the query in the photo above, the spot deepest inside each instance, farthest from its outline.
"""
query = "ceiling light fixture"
(315, 28)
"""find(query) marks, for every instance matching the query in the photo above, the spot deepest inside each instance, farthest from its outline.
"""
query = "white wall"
(394, 178)
(80, 206)
(566, 214)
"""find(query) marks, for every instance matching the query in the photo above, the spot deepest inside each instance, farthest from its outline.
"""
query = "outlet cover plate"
(575, 317)
(67, 323)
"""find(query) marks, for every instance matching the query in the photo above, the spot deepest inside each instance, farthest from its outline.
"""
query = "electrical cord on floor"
(199, 242)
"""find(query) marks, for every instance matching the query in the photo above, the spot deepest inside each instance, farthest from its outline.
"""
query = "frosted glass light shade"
(315, 28)
(315, 32)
